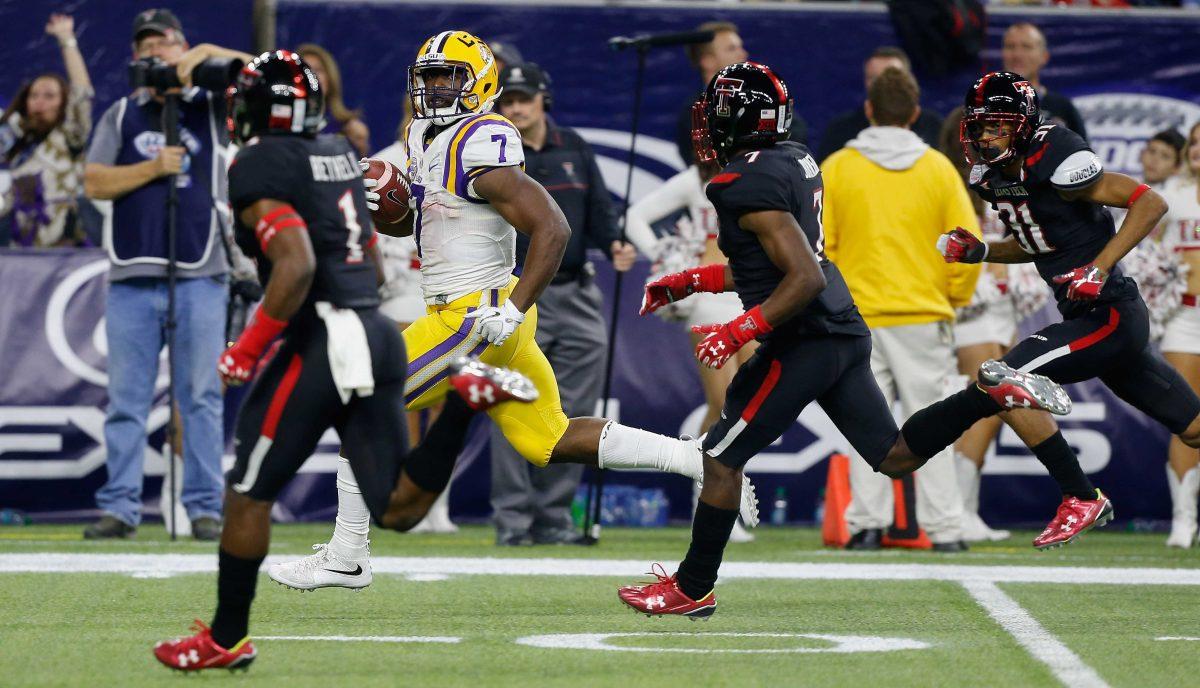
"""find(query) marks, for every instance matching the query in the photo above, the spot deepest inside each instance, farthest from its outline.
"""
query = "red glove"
(677, 285)
(723, 341)
(1084, 284)
(961, 246)
(237, 364)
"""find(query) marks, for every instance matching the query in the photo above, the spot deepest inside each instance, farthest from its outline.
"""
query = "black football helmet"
(276, 93)
(995, 98)
(746, 105)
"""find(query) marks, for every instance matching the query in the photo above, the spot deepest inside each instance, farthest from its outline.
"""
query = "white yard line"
(1177, 637)
(174, 564)
(365, 638)
(1066, 666)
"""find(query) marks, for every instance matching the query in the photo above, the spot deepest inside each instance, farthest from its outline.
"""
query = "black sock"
(710, 531)
(431, 463)
(938, 425)
(235, 591)
(1058, 458)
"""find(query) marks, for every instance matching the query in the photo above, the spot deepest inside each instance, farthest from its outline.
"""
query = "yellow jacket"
(887, 199)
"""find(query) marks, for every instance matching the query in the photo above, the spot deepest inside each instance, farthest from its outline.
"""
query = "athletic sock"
(353, 522)
(236, 579)
(623, 447)
(1058, 458)
(710, 531)
(431, 463)
(938, 425)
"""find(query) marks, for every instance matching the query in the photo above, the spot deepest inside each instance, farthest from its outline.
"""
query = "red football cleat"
(483, 386)
(201, 652)
(1074, 518)
(665, 597)
(1014, 389)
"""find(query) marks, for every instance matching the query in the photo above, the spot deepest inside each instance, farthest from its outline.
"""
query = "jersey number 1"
(354, 252)
(1019, 222)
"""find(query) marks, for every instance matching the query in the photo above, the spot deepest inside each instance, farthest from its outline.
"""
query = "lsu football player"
(470, 195)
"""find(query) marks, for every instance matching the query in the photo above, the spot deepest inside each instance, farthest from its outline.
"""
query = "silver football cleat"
(1013, 389)
(505, 380)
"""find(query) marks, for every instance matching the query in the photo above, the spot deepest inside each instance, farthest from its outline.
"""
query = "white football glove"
(498, 324)
(369, 184)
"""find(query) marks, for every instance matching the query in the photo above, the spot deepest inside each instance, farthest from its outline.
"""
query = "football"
(392, 186)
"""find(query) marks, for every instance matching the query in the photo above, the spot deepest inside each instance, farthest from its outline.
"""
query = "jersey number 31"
(1019, 222)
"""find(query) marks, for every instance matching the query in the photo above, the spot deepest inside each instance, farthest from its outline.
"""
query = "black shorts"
(773, 387)
(294, 401)
(1111, 342)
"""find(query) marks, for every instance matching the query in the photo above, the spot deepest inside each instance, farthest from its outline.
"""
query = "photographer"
(129, 163)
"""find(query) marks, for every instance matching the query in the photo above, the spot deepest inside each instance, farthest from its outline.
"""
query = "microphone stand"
(170, 124)
(595, 493)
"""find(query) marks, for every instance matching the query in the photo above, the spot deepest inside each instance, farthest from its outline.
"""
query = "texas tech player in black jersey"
(302, 214)
(1050, 190)
(815, 345)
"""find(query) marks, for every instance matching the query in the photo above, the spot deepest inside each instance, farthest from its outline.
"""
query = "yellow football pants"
(444, 333)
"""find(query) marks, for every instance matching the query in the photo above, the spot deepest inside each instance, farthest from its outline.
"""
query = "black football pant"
(1111, 342)
(294, 401)
(785, 375)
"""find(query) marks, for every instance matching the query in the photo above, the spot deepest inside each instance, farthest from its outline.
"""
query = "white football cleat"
(323, 569)
(975, 530)
(739, 532)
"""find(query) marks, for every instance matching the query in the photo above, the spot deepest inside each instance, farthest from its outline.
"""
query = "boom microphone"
(651, 40)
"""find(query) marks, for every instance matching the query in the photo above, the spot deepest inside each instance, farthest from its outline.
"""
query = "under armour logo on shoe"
(1012, 402)
(656, 601)
(479, 393)
(192, 657)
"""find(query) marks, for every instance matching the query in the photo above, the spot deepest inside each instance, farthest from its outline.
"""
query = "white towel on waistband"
(349, 352)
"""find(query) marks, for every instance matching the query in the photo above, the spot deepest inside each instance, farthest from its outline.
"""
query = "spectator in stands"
(42, 137)
(1181, 341)
(888, 196)
(129, 163)
(339, 118)
(533, 505)
(709, 58)
(847, 125)
(1025, 52)
(1162, 157)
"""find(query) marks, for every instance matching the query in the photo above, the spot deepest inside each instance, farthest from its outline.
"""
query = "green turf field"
(456, 611)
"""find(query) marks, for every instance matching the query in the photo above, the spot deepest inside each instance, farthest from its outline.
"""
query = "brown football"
(392, 187)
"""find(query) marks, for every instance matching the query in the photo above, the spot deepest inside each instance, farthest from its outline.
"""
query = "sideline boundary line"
(175, 564)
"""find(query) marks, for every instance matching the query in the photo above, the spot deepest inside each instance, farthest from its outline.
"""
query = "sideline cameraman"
(128, 163)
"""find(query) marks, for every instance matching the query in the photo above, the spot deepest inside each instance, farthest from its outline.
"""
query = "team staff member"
(128, 163)
(533, 505)
(1024, 52)
(887, 196)
(724, 49)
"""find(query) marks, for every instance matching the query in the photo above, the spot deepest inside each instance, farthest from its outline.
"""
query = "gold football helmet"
(454, 76)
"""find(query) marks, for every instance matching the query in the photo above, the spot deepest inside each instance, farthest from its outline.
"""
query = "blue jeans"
(135, 316)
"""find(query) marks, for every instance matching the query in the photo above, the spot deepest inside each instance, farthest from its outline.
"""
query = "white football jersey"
(463, 244)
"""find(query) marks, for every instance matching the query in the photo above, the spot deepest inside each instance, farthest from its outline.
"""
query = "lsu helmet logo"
(725, 89)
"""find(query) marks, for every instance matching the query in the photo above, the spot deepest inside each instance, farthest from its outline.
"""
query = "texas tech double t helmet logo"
(994, 101)
(746, 105)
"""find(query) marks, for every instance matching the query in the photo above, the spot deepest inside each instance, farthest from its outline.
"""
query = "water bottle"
(779, 511)
(819, 512)
(12, 517)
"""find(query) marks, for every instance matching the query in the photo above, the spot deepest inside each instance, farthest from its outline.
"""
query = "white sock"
(624, 448)
(968, 482)
(353, 522)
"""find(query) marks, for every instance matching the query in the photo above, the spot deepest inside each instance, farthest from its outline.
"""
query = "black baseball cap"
(527, 78)
(157, 20)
